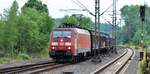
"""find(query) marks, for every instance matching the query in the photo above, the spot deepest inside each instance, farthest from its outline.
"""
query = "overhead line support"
(97, 22)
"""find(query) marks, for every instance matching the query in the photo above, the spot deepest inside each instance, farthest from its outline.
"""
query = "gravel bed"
(20, 63)
(133, 67)
(85, 67)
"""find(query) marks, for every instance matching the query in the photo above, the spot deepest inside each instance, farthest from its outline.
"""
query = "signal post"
(142, 16)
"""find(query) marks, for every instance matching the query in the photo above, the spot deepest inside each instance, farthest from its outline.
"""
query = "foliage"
(36, 4)
(104, 27)
(9, 30)
(34, 30)
(26, 32)
(14, 58)
(131, 31)
(132, 22)
(23, 56)
(85, 22)
(143, 64)
(5, 60)
(69, 20)
(137, 37)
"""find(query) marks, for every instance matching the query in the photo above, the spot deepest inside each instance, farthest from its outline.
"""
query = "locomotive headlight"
(67, 43)
(69, 48)
(54, 43)
(53, 47)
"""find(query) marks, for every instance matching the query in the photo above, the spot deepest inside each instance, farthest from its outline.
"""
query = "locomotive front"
(61, 44)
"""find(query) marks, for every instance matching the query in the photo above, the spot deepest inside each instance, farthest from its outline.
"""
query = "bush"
(4, 60)
(23, 56)
(143, 64)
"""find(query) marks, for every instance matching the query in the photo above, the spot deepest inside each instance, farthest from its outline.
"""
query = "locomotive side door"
(75, 43)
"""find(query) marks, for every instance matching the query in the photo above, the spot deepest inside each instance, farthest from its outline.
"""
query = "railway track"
(48, 68)
(117, 65)
(32, 68)
(114, 67)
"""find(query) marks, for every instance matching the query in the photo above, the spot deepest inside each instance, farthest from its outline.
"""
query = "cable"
(77, 3)
(83, 6)
(107, 8)
(106, 20)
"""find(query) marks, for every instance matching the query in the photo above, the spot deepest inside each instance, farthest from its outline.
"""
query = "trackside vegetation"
(81, 21)
(143, 64)
(131, 31)
(25, 35)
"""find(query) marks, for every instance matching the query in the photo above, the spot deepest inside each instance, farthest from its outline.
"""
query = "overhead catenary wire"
(106, 20)
(83, 6)
(108, 8)
(77, 4)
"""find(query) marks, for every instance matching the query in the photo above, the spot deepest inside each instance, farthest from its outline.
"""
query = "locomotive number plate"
(61, 43)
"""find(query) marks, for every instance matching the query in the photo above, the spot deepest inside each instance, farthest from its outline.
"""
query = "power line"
(72, 10)
(106, 20)
(83, 6)
(108, 8)
(77, 3)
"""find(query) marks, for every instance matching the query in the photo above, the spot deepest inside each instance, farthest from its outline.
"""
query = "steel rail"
(48, 68)
(100, 69)
(121, 67)
(24, 67)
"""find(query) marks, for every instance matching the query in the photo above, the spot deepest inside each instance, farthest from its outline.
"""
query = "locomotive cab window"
(65, 34)
(56, 34)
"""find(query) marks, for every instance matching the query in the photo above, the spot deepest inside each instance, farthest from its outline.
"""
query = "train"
(73, 43)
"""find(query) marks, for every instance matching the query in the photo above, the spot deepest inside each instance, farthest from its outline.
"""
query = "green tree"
(35, 15)
(132, 29)
(132, 21)
(25, 32)
(10, 30)
(1, 36)
(137, 37)
(34, 28)
(69, 20)
(85, 22)
(36, 4)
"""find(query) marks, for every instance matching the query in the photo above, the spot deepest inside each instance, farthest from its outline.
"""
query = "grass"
(14, 58)
(142, 64)
(24, 56)
(42, 54)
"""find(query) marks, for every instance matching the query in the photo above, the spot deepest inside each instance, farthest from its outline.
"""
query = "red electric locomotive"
(72, 43)
(67, 43)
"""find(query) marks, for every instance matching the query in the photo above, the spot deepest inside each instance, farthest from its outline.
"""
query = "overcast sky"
(54, 6)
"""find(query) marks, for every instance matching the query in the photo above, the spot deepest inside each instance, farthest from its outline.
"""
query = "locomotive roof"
(77, 30)
(84, 31)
